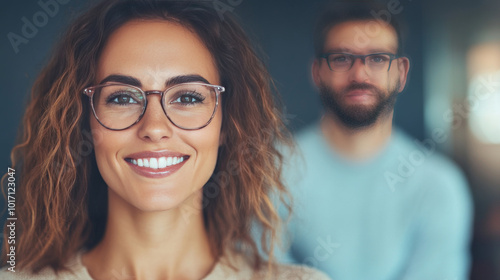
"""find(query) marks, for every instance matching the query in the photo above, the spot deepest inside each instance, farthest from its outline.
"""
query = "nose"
(154, 125)
(359, 71)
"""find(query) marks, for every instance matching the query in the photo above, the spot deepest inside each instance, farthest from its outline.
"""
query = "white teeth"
(162, 162)
(179, 160)
(157, 163)
(153, 163)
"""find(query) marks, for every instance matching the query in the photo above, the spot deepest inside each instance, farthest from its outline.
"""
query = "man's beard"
(359, 115)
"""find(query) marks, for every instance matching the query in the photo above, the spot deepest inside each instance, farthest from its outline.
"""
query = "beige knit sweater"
(221, 271)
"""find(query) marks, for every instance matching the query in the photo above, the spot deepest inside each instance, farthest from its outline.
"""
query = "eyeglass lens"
(343, 62)
(188, 106)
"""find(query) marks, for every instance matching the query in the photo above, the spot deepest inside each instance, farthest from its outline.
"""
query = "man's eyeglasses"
(342, 62)
(189, 106)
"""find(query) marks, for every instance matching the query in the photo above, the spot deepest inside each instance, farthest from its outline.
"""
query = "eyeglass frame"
(362, 57)
(89, 91)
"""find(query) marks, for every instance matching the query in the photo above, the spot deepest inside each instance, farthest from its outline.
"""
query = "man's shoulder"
(299, 272)
(421, 160)
(311, 133)
(310, 141)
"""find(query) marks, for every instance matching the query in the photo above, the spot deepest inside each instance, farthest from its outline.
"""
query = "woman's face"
(156, 54)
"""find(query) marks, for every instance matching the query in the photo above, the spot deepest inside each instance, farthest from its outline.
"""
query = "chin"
(156, 204)
(148, 200)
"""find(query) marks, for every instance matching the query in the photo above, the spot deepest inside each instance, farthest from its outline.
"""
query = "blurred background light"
(484, 92)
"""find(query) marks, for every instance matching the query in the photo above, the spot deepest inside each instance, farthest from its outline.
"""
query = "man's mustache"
(360, 86)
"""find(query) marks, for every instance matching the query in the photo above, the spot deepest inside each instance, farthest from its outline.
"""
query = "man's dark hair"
(349, 11)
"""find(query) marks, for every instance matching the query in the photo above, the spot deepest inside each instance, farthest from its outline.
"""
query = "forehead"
(361, 37)
(146, 48)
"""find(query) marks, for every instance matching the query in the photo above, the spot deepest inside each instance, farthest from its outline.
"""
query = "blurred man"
(370, 202)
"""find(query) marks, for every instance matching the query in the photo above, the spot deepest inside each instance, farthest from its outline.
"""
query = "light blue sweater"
(404, 214)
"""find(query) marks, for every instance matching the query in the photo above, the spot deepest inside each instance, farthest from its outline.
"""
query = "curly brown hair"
(62, 198)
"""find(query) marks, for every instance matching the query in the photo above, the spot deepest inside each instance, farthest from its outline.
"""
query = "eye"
(188, 98)
(379, 58)
(123, 98)
(340, 58)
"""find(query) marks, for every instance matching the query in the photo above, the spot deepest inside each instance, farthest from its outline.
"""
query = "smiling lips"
(156, 164)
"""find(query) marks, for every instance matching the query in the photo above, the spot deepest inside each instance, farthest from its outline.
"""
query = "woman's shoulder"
(238, 267)
(45, 274)
(233, 267)
(74, 271)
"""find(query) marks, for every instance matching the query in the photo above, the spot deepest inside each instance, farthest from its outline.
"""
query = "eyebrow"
(345, 50)
(185, 79)
(129, 80)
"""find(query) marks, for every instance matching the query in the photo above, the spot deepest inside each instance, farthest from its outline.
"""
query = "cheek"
(206, 145)
(391, 80)
(106, 143)
(99, 143)
(337, 81)
(99, 133)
